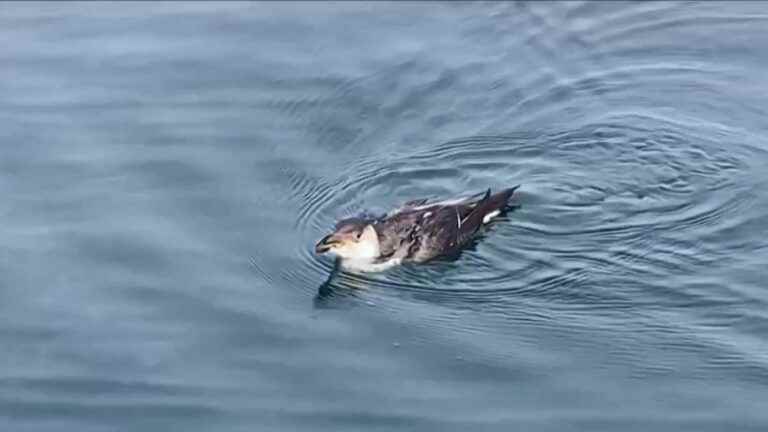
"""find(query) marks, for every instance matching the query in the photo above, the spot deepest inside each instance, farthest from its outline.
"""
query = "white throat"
(365, 249)
(363, 256)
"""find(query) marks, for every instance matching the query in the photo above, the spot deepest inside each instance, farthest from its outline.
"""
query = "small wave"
(586, 213)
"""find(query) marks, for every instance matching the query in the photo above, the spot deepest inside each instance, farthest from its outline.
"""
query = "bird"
(416, 232)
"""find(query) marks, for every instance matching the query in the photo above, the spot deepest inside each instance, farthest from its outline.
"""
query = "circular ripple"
(615, 188)
(605, 202)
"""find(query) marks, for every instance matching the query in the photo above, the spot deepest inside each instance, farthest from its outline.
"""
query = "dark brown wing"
(395, 231)
(450, 228)
(439, 229)
(447, 229)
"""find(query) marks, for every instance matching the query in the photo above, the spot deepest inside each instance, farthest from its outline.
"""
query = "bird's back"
(420, 232)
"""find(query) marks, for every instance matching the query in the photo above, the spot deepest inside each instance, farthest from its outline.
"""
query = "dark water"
(166, 169)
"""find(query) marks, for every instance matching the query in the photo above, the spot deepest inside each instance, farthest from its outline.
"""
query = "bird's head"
(353, 239)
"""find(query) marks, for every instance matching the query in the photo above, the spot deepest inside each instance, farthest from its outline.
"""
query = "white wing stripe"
(487, 218)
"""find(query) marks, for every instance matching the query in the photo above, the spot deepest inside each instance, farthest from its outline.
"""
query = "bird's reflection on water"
(331, 294)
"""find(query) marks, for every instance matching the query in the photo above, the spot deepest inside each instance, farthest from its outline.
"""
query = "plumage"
(417, 231)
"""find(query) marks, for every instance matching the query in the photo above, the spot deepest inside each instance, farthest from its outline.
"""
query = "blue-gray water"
(166, 169)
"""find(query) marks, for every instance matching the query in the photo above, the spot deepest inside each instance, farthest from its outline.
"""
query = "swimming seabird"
(418, 231)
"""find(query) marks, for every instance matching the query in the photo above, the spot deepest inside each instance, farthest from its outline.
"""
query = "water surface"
(166, 169)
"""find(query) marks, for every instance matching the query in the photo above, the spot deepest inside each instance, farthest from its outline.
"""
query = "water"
(166, 169)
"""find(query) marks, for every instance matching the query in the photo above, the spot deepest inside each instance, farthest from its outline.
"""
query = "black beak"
(324, 245)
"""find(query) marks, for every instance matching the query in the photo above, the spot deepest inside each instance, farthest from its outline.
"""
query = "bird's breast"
(369, 266)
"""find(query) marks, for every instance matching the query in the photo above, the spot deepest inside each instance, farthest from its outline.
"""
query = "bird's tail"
(483, 211)
(500, 200)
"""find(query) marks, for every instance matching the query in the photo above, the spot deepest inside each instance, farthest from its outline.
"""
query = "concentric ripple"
(642, 175)
(599, 203)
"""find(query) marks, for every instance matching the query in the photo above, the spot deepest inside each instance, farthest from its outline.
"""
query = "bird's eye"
(359, 235)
